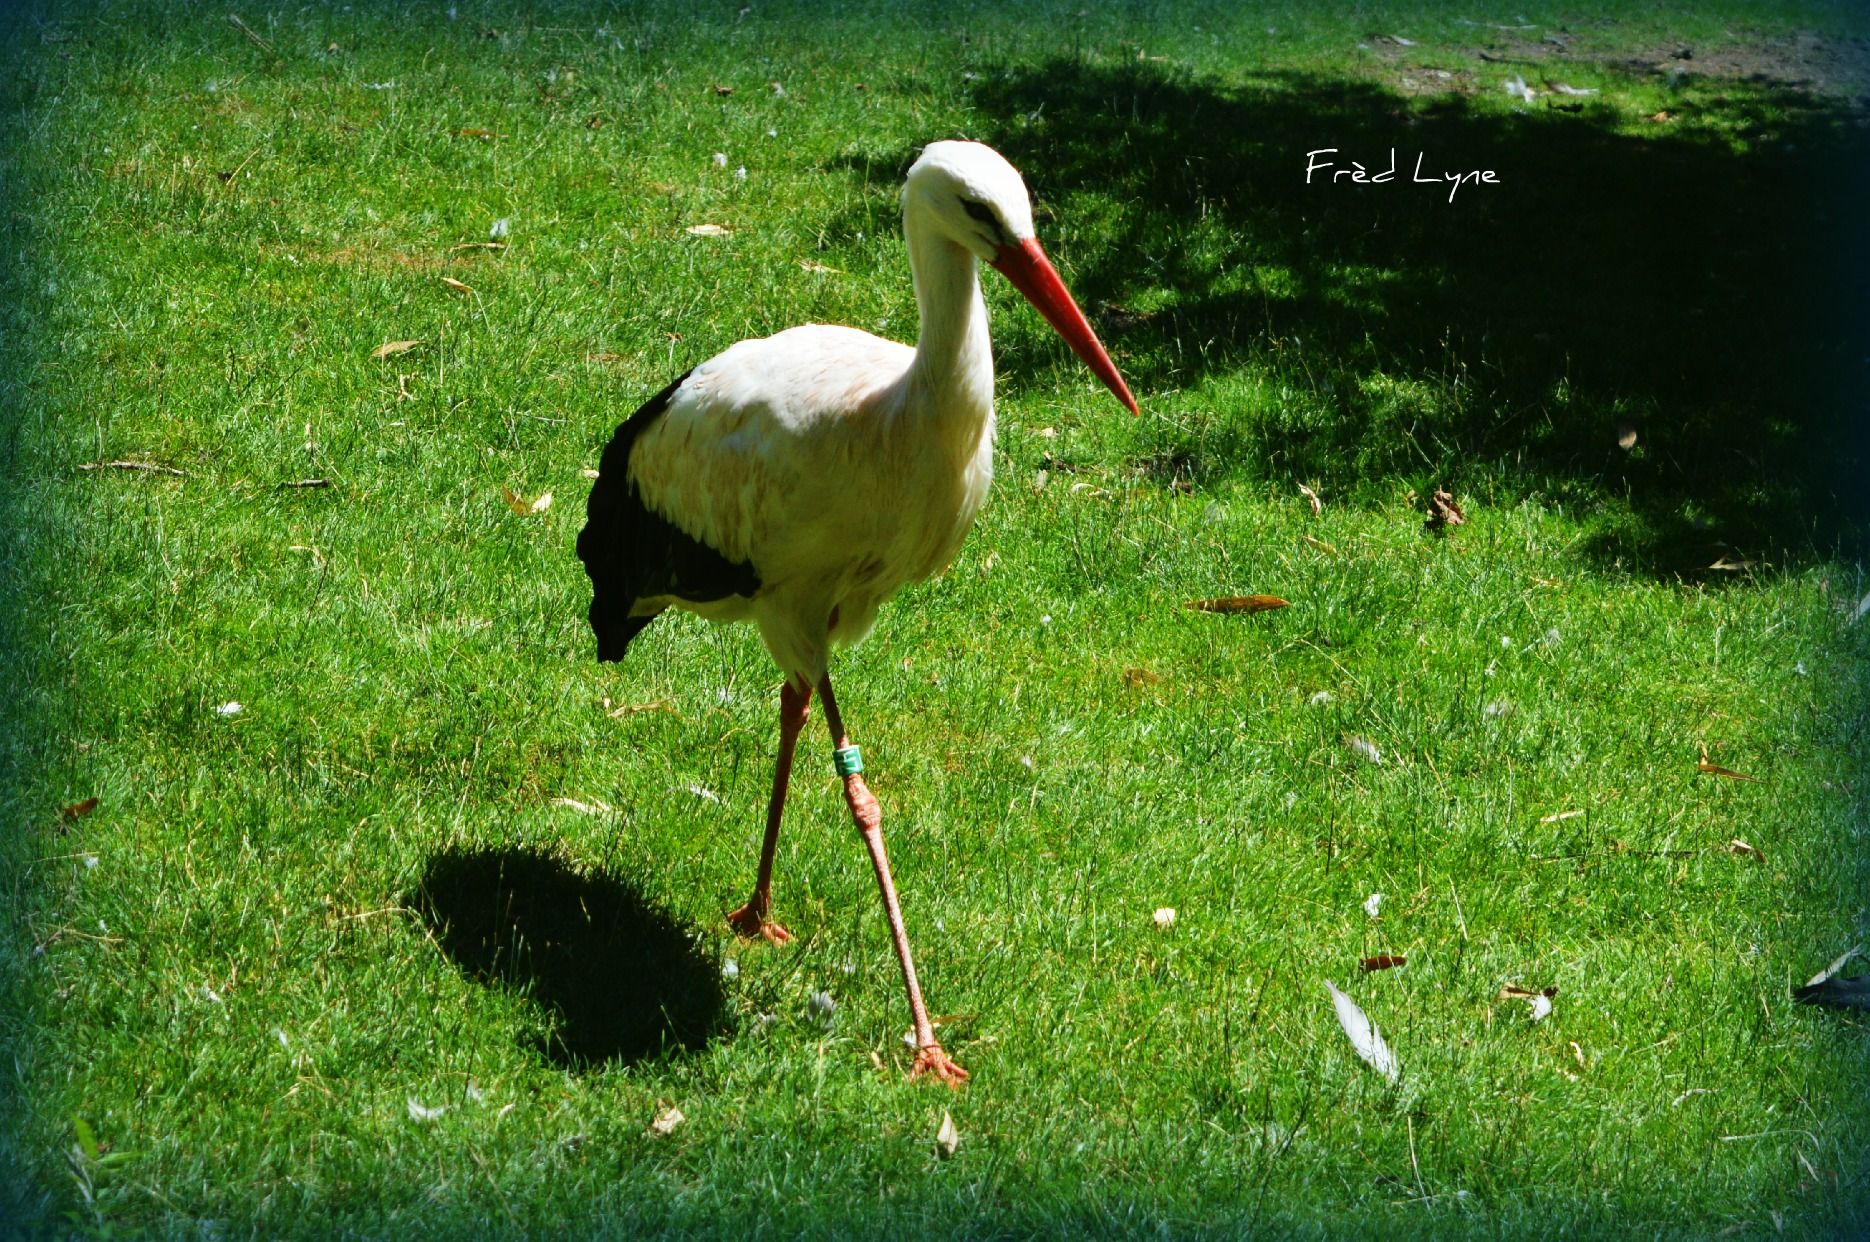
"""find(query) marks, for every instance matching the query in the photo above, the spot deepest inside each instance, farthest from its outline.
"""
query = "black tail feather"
(633, 553)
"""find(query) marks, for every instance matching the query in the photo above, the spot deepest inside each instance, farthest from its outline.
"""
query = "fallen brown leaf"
(1318, 506)
(1444, 512)
(69, 815)
(457, 285)
(1737, 846)
(666, 1120)
(709, 230)
(1731, 564)
(1138, 677)
(474, 131)
(390, 349)
(1237, 603)
(812, 265)
(1715, 769)
(1513, 991)
(1320, 544)
(523, 507)
(1660, 118)
(1383, 961)
(1626, 437)
(721, 89)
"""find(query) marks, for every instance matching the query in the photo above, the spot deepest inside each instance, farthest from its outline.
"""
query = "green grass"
(225, 987)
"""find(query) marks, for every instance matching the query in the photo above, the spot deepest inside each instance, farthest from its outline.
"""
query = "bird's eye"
(980, 211)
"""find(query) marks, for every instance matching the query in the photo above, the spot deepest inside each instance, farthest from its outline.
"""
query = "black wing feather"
(633, 553)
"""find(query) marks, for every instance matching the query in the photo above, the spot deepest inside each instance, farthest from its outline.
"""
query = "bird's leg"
(754, 920)
(930, 1059)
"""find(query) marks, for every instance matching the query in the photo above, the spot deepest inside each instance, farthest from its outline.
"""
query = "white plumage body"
(829, 414)
(839, 465)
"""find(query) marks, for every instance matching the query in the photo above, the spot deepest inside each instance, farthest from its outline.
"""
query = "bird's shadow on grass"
(620, 980)
(1696, 279)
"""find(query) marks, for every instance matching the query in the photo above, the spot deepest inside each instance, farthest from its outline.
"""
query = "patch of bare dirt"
(1839, 68)
(1814, 64)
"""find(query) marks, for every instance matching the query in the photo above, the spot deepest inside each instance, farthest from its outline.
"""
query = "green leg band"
(848, 760)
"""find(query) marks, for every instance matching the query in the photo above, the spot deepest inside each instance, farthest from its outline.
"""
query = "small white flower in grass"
(947, 1138)
(1319, 699)
(730, 969)
(497, 231)
(666, 1121)
(772, 133)
(720, 159)
(229, 708)
(474, 1093)
(1373, 905)
(821, 1006)
(418, 1111)
(209, 994)
(1505, 641)
(280, 1035)
(1165, 917)
(740, 174)
(90, 861)
(1541, 1007)
(1497, 709)
(1046, 619)
(1799, 668)
(1365, 750)
(702, 792)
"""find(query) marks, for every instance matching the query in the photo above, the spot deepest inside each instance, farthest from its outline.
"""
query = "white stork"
(799, 480)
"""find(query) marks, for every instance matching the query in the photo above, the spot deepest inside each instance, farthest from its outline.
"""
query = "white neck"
(951, 380)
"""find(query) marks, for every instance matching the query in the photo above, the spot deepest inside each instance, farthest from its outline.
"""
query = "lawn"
(350, 895)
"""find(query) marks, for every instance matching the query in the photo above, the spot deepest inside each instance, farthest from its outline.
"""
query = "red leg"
(930, 1059)
(753, 920)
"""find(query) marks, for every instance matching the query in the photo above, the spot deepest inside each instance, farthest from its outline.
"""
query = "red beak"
(1025, 264)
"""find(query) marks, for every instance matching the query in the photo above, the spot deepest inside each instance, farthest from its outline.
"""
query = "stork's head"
(973, 196)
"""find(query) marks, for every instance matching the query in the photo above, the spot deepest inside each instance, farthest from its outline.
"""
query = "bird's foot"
(930, 1059)
(751, 923)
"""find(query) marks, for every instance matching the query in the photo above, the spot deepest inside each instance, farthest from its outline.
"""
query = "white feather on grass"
(1364, 1036)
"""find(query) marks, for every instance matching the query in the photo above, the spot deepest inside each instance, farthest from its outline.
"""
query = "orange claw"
(750, 924)
(930, 1059)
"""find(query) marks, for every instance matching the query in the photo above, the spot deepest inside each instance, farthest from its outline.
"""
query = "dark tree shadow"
(1714, 301)
(621, 979)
